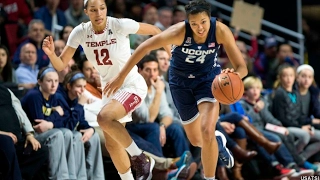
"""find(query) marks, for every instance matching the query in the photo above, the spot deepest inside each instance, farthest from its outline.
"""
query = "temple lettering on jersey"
(101, 43)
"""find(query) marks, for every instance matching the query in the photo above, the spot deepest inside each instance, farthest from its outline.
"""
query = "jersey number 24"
(104, 54)
(191, 59)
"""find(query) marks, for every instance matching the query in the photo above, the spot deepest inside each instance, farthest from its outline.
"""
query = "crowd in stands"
(48, 119)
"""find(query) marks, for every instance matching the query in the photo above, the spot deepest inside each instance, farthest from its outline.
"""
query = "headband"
(76, 77)
(303, 67)
(50, 69)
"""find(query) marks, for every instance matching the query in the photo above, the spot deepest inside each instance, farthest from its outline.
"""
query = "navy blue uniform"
(192, 70)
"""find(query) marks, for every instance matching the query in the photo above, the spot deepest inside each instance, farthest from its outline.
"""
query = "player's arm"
(59, 63)
(225, 37)
(148, 29)
(173, 35)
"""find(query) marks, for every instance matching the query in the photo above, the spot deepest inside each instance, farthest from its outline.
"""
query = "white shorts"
(130, 95)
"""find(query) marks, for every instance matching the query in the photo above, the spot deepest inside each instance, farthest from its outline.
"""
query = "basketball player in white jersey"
(105, 41)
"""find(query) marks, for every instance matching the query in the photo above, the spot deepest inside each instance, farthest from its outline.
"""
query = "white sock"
(133, 149)
(210, 178)
(126, 176)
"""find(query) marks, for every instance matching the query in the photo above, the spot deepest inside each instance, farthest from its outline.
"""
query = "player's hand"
(113, 85)
(48, 46)
(229, 70)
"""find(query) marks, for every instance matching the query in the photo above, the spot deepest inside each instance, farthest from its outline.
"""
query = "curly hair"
(198, 6)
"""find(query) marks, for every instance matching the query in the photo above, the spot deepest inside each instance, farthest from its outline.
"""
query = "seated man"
(24, 148)
(28, 70)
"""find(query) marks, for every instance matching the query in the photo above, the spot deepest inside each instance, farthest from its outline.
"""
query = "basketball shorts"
(130, 95)
(188, 93)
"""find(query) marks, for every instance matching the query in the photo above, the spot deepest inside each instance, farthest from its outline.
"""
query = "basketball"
(227, 88)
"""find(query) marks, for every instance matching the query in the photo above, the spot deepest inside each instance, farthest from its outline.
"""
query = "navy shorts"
(188, 92)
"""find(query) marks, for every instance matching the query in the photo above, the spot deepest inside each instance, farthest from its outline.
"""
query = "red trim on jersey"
(128, 100)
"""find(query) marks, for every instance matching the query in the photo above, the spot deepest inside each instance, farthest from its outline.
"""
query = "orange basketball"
(227, 88)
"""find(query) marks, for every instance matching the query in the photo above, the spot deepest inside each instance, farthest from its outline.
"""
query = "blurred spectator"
(35, 36)
(14, 124)
(59, 46)
(150, 14)
(256, 108)
(179, 14)
(36, 4)
(42, 109)
(53, 18)
(135, 10)
(75, 14)
(85, 140)
(155, 107)
(64, 34)
(118, 9)
(17, 12)
(164, 63)
(287, 107)
(309, 93)
(7, 73)
(165, 18)
(312, 44)
(28, 70)
(285, 55)
(265, 61)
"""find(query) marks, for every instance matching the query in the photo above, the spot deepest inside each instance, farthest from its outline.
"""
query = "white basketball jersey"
(108, 51)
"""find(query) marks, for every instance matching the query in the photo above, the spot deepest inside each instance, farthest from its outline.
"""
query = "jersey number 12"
(104, 55)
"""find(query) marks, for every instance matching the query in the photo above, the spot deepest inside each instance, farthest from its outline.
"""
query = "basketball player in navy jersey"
(193, 67)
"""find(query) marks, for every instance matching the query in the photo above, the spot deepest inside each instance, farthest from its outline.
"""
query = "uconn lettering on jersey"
(101, 43)
(197, 52)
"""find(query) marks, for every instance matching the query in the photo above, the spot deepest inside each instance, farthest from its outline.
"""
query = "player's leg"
(119, 157)
(209, 153)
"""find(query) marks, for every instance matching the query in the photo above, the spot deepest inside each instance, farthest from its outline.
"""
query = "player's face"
(287, 77)
(50, 82)
(305, 78)
(77, 88)
(97, 11)
(253, 92)
(150, 72)
(200, 24)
